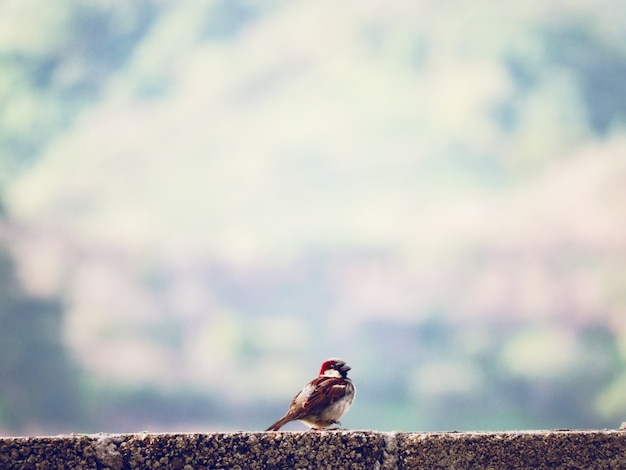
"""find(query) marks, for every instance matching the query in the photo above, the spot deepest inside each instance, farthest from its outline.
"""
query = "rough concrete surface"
(520, 450)
(319, 449)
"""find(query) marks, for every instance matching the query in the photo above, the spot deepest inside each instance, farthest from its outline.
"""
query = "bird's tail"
(280, 423)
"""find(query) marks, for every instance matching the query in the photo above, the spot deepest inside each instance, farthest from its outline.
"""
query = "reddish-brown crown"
(335, 364)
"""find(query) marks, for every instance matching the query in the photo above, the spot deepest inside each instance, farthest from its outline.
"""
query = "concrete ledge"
(322, 449)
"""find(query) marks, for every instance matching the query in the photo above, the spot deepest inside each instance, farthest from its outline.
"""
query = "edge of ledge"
(559, 448)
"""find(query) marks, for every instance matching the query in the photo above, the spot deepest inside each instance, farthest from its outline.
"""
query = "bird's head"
(334, 368)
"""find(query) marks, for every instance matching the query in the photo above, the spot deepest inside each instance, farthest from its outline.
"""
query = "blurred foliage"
(53, 65)
(38, 379)
(148, 149)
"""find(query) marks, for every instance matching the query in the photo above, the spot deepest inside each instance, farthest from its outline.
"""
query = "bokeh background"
(202, 200)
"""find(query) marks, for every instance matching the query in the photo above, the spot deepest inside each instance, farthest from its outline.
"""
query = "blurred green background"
(202, 200)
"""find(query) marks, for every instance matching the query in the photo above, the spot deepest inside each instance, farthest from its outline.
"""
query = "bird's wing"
(324, 391)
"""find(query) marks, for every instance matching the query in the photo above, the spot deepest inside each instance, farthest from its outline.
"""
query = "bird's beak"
(345, 368)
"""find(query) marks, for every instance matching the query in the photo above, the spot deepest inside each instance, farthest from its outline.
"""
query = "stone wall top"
(320, 449)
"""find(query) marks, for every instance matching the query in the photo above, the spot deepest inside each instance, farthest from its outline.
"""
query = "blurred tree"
(48, 77)
(599, 66)
(38, 383)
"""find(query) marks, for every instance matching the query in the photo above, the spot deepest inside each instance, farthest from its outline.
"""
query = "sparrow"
(322, 401)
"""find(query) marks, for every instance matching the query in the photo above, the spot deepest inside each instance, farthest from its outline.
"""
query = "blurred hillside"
(210, 198)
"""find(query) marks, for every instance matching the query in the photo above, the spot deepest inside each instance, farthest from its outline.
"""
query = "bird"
(322, 401)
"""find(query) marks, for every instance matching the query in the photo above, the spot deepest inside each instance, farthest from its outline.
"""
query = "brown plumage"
(322, 401)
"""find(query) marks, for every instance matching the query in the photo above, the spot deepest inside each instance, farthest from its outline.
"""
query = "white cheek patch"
(331, 373)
